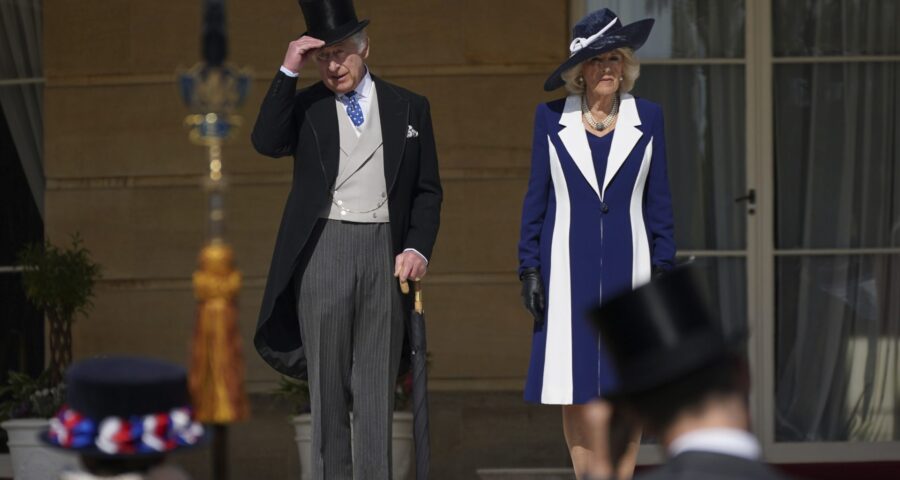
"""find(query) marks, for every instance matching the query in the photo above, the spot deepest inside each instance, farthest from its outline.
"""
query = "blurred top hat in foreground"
(663, 331)
(125, 407)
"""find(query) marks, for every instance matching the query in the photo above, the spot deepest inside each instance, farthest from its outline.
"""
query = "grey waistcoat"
(360, 193)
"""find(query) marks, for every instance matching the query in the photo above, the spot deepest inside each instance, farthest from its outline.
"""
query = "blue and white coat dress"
(592, 234)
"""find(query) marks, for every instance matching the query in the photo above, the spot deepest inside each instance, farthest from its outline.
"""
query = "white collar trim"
(76, 475)
(727, 441)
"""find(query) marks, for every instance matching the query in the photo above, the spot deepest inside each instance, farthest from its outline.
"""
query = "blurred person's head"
(666, 410)
(677, 366)
(124, 415)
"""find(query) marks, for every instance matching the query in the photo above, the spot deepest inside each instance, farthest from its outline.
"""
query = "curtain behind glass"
(684, 28)
(706, 149)
(837, 348)
(21, 57)
(705, 146)
(837, 164)
(835, 27)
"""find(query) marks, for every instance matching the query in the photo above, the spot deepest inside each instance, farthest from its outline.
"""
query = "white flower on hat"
(582, 42)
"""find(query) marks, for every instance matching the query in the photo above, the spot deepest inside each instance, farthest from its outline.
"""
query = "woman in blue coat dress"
(596, 222)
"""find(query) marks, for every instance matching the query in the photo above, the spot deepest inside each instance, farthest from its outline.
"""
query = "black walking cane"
(419, 364)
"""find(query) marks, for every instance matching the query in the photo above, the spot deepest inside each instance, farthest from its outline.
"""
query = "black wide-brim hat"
(125, 407)
(662, 331)
(599, 32)
(331, 21)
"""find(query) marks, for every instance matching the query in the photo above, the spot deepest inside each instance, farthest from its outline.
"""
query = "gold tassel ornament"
(217, 367)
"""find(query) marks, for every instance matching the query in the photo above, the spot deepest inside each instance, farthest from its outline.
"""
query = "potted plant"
(28, 403)
(27, 397)
(59, 281)
(296, 394)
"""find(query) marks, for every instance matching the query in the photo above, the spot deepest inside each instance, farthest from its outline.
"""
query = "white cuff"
(288, 72)
(417, 253)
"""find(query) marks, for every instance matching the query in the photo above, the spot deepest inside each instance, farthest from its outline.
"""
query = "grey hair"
(631, 70)
(360, 40)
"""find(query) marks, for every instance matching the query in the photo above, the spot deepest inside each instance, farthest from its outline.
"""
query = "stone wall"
(121, 171)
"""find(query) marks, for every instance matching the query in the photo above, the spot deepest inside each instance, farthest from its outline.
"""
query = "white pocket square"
(411, 132)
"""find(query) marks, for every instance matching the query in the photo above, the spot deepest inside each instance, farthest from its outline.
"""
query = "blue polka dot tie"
(353, 108)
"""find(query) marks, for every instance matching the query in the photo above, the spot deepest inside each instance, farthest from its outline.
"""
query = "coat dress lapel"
(574, 138)
(394, 114)
(624, 139)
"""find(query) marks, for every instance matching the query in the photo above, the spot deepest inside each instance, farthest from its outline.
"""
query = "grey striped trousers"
(351, 323)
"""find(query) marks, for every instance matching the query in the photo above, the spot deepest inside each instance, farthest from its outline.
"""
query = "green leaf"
(59, 279)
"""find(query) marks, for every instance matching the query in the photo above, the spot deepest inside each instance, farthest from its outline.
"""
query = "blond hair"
(631, 70)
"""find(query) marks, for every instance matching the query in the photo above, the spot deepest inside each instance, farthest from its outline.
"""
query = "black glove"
(657, 271)
(533, 293)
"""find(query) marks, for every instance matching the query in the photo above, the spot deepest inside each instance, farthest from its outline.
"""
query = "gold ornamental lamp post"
(213, 91)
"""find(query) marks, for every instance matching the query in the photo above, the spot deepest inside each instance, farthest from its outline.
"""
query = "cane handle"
(417, 288)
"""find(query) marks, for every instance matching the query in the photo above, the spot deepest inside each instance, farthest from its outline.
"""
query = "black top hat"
(125, 407)
(330, 20)
(662, 331)
(596, 33)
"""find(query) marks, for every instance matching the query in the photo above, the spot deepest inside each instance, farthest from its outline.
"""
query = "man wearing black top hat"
(683, 378)
(364, 208)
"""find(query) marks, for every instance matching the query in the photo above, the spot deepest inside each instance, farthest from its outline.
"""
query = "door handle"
(750, 198)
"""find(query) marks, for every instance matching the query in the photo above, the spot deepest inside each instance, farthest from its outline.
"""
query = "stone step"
(525, 474)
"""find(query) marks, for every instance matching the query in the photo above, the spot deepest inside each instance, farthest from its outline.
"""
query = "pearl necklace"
(589, 117)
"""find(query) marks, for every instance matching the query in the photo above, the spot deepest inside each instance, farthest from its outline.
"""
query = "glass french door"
(782, 126)
(829, 241)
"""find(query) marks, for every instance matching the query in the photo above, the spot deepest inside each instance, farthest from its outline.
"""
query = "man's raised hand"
(299, 50)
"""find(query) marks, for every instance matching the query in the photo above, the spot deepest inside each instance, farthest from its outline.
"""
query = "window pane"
(837, 346)
(21, 326)
(837, 159)
(835, 27)
(705, 146)
(727, 283)
(685, 28)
